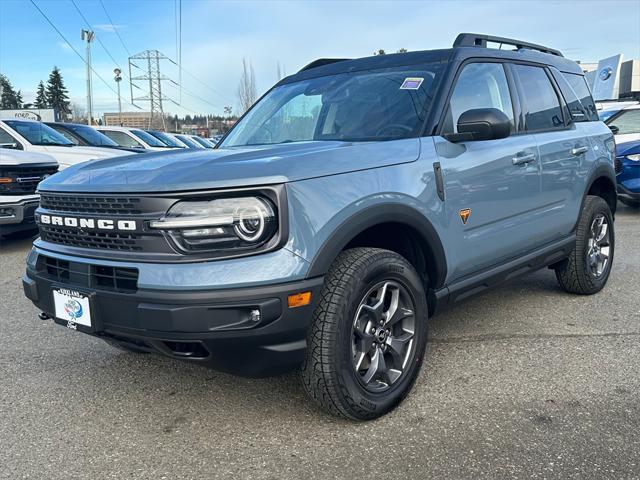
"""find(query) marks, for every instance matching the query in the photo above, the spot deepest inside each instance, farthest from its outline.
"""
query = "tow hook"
(43, 316)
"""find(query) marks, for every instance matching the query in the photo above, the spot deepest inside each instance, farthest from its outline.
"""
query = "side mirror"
(615, 130)
(481, 124)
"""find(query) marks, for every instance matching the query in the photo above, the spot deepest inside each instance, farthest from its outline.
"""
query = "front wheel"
(587, 269)
(368, 337)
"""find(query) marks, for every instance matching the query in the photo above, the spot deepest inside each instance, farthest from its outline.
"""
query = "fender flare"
(375, 215)
(601, 171)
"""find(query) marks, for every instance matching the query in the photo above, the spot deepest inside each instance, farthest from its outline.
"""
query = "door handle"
(579, 151)
(524, 159)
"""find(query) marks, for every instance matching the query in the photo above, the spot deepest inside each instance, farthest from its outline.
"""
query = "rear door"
(564, 148)
(492, 187)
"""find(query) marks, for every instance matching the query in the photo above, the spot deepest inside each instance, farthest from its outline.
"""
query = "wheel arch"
(602, 183)
(358, 230)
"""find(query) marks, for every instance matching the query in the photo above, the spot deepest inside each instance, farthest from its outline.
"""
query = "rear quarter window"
(575, 86)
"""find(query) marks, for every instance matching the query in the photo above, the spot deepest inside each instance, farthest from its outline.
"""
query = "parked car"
(352, 202)
(133, 138)
(86, 135)
(20, 174)
(33, 136)
(167, 138)
(202, 141)
(628, 173)
(215, 139)
(189, 141)
(624, 120)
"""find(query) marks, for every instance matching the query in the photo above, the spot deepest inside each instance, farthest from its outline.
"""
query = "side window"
(627, 122)
(480, 85)
(579, 85)
(68, 136)
(7, 141)
(540, 106)
(121, 138)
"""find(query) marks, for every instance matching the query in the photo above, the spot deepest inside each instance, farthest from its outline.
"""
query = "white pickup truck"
(20, 173)
(32, 136)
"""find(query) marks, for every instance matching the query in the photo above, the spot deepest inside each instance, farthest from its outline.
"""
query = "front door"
(492, 187)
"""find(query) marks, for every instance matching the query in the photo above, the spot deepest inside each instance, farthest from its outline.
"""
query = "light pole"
(118, 78)
(88, 36)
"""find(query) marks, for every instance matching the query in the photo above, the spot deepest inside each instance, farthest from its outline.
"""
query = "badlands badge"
(465, 213)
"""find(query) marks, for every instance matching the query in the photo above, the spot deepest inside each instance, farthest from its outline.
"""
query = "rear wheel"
(368, 336)
(587, 269)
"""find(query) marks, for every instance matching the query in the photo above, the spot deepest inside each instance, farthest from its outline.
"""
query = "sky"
(217, 35)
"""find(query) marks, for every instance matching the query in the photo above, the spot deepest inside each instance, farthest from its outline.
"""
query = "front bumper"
(209, 327)
(17, 214)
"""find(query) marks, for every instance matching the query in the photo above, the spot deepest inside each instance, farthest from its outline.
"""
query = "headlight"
(220, 225)
(635, 157)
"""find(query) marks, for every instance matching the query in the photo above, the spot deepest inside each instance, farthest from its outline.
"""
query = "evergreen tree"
(10, 99)
(57, 94)
(19, 100)
(41, 97)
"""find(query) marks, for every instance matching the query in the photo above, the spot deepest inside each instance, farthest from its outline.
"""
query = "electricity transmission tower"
(154, 78)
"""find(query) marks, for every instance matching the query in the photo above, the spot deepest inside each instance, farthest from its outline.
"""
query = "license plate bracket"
(73, 309)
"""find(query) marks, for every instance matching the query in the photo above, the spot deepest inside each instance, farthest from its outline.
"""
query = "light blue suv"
(354, 200)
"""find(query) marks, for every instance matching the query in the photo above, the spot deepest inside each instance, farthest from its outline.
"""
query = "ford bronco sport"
(348, 205)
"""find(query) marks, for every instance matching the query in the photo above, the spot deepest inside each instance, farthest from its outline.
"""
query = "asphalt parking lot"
(522, 382)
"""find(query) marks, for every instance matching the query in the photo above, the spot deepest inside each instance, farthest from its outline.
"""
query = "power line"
(72, 47)
(115, 29)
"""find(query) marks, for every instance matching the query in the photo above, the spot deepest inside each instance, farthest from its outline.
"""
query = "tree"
(78, 113)
(9, 98)
(247, 93)
(379, 52)
(403, 50)
(41, 97)
(57, 94)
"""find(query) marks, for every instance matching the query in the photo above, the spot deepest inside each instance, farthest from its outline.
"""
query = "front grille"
(91, 204)
(98, 277)
(25, 179)
(91, 239)
(618, 165)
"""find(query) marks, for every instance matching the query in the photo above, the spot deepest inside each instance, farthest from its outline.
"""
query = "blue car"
(628, 173)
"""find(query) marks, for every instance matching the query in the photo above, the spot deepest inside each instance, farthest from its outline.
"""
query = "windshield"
(607, 114)
(187, 141)
(148, 139)
(202, 142)
(92, 136)
(166, 139)
(38, 133)
(385, 104)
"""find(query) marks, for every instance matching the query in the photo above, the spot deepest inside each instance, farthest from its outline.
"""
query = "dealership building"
(129, 119)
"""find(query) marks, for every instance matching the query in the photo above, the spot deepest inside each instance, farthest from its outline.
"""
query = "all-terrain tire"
(573, 274)
(328, 374)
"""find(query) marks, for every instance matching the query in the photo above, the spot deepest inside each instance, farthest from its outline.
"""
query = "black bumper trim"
(218, 320)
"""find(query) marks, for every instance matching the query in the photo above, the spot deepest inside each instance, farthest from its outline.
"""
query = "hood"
(628, 148)
(20, 157)
(192, 169)
(77, 154)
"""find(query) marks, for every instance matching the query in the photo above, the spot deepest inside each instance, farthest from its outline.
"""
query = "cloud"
(108, 27)
(65, 46)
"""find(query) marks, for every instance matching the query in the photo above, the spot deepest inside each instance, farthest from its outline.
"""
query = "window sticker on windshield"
(411, 83)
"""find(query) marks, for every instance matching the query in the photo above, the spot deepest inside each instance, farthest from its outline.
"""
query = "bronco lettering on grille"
(88, 223)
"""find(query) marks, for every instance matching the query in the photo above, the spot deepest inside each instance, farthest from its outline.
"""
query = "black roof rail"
(321, 62)
(480, 40)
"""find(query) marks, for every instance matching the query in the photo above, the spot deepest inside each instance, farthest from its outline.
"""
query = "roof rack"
(321, 62)
(480, 40)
